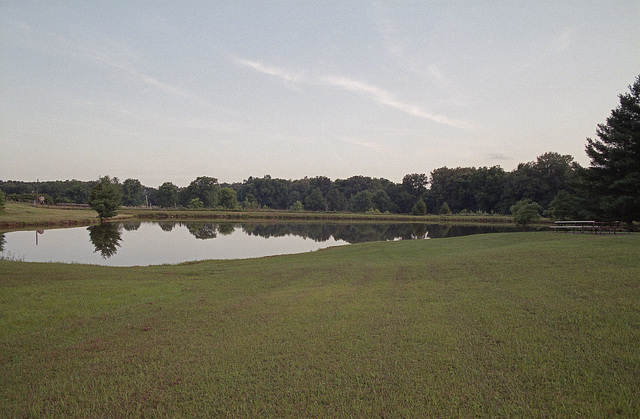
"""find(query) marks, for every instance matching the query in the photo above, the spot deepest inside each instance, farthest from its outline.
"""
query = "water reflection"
(202, 230)
(151, 243)
(131, 225)
(106, 238)
(350, 233)
(365, 232)
(166, 225)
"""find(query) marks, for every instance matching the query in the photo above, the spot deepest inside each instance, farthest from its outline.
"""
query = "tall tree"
(132, 193)
(362, 201)
(267, 191)
(205, 188)
(336, 200)
(227, 198)
(415, 183)
(540, 180)
(614, 174)
(106, 197)
(166, 195)
(315, 201)
(381, 201)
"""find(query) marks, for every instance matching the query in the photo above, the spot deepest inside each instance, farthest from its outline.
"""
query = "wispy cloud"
(375, 93)
(498, 156)
(402, 50)
(274, 71)
(386, 98)
(377, 148)
(563, 41)
(102, 51)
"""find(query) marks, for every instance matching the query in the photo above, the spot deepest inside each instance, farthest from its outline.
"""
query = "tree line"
(452, 190)
(551, 181)
(553, 184)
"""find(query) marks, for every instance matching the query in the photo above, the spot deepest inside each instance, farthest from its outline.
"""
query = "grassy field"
(17, 215)
(519, 324)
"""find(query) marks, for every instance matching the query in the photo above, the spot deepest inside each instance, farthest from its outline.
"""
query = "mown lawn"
(519, 324)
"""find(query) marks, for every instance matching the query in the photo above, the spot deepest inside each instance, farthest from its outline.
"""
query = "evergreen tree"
(420, 208)
(444, 209)
(614, 175)
(106, 197)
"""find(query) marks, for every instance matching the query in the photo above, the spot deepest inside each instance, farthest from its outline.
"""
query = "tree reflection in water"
(202, 230)
(106, 238)
(131, 225)
(167, 225)
(350, 233)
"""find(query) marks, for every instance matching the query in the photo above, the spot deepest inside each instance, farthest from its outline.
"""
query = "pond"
(156, 243)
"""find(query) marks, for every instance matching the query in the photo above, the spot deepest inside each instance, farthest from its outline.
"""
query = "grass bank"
(20, 215)
(305, 216)
(536, 324)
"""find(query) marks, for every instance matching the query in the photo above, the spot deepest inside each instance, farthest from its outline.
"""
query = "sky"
(167, 91)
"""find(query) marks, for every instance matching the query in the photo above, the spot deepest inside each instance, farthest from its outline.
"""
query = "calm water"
(156, 243)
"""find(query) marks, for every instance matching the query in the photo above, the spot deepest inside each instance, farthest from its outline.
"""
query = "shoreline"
(24, 216)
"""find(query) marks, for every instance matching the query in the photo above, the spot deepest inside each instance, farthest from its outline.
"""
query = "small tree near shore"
(106, 197)
(296, 206)
(196, 204)
(525, 212)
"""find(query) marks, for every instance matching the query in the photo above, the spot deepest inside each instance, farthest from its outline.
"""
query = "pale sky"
(172, 90)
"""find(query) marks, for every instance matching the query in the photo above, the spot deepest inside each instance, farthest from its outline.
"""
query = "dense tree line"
(461, 189)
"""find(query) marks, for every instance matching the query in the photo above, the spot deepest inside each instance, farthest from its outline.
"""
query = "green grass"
(16, 215)
(535, 324)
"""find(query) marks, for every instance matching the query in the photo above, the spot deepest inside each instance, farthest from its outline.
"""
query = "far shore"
(18, 216)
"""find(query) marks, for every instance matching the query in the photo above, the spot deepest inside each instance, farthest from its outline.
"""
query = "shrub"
(296, 206)
(525, 212)
(563, 206)
(196, 204)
